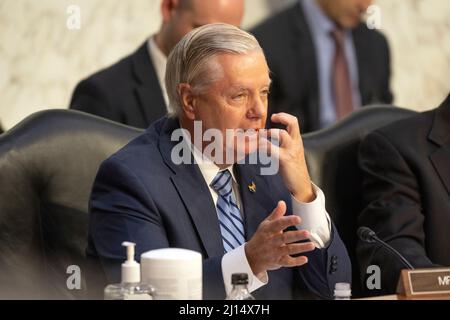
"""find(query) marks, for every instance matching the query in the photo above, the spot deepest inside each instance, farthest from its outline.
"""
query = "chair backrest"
(48, 163)
(332, 158)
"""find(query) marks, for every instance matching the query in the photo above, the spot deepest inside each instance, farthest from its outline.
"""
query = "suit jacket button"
(333, 269)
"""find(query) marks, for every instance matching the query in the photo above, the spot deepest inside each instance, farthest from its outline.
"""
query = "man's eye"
(239, 96)
(265, 93)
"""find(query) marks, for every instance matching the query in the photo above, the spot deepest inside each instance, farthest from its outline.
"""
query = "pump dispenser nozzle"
(131, 272)
(131, 287)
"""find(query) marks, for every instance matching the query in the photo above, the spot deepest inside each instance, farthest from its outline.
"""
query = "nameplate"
(432, 283)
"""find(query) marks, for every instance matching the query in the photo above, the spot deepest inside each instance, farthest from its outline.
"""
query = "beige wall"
(41, 60)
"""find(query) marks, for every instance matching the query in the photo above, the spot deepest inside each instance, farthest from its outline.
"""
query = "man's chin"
(349, 21)
(353, 21)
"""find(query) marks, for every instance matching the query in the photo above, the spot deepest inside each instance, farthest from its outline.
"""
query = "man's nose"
(258, 107)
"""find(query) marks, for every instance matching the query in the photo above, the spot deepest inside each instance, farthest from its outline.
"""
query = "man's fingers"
(276, 137)
(291, 237)
(267, 146)
(289, 121)
(288, 261)
(297, 248)
(276, 226)
(278, 212)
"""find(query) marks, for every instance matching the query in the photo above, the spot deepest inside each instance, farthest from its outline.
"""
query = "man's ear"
(168, 8)
(187, 100)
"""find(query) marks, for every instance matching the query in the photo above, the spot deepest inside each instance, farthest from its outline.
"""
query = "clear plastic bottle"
(342, 291)
(130, 288)
(129, 291)
(240, 287)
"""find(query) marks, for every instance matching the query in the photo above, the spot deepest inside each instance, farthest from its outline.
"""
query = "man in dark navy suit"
(132, 91)
(269, 224)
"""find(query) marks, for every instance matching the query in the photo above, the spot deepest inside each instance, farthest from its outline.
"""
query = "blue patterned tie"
(230, 220)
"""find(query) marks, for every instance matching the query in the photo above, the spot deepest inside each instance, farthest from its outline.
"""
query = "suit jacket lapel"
(362, 57)
(194, 193)
(440, 135)
(441, 163)
(258, 203)
(148, 90)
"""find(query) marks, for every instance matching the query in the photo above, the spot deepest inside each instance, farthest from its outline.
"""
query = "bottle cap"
(342, 289)
(239, 278)
(131, 272)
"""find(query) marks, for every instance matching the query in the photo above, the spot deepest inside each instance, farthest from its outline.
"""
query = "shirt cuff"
(314, 217)
(235, 261)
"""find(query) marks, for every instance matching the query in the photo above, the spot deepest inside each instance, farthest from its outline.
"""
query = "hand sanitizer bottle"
(130, 288)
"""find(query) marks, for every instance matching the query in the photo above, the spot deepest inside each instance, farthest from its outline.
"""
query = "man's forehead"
(199, 4)
(237, 73)
(245, 85)
(214, 11)
(241, 61)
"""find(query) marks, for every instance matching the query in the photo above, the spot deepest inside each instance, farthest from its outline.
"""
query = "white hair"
(187, 61)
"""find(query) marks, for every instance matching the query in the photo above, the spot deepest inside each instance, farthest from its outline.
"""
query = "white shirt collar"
(159, 61)
(208, 168)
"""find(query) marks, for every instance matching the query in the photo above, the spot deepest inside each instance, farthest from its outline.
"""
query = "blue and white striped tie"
(230, 220)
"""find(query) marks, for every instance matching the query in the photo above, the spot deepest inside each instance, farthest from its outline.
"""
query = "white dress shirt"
(314, 217)
(159, 61)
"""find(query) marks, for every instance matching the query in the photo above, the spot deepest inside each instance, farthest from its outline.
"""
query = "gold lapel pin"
(252, 187)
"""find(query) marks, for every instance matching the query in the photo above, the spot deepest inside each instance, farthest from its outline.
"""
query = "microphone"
(368, 235)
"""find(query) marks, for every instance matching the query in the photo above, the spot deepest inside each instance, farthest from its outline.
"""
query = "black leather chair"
(332, 159)
(48, 163)
(47, 167)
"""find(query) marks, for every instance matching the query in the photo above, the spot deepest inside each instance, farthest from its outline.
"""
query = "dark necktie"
(341, 77)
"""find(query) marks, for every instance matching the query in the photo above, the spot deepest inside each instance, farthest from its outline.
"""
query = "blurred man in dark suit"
(406, 193)
(132, 91)
(324, 61)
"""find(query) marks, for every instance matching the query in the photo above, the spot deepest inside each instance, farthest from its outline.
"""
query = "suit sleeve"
(392, 208)
(90, 97)
(121, 209)
(326, 267)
